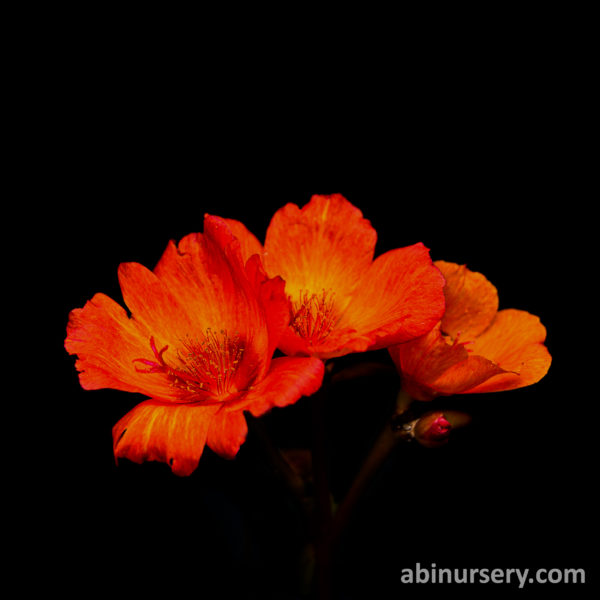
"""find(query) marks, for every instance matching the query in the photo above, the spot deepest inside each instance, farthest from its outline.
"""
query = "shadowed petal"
(430, 366)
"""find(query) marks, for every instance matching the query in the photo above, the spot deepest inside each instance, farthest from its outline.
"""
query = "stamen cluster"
(313, 315)
(206, 365)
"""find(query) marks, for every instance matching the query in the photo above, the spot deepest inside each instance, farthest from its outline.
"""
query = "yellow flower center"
(313, 315)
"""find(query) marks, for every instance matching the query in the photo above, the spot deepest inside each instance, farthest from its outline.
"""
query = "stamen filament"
(313, 315)
(207, 365)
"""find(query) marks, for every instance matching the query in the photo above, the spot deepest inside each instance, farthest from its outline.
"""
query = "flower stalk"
(392, 433)
(323, 510)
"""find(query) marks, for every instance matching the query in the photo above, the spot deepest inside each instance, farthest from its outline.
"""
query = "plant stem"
(323, 513)
(364, 369)
(389, 437)
(280, 465)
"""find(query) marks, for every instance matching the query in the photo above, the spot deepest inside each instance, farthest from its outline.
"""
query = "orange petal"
(288, 379)
(326, 245)
(107, 342)
(399, 298)
(515, 341)
(338, 343)
(471, 301)
(249, 243)
(430, 366)
(171, 433)
(273, 301)
(153, 305)
(226, 433)
(205, 274)
(464, 376)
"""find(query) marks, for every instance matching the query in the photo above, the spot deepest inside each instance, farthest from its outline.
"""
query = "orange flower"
(341, 300)
(199, 343)
(474, 348)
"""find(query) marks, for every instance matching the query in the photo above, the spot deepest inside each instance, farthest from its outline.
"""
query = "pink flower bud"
(432, 430)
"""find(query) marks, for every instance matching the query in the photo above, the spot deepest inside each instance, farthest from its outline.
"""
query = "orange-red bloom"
(341, 300)
(199, 343)
(474, 348)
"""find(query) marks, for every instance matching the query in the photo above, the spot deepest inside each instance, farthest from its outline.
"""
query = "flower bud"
(432, 430)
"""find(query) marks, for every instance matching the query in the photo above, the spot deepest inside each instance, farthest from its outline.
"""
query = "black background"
(486, 176)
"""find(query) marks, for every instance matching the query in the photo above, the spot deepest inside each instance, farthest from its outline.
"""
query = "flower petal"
(226, 433)
(399, 298)
(515, 341)
(171, 433)
(249, 244)
(288, 379)
(107, 342)
(471, 301)
(326, 245)
(338, 343)
(153, 305)
(430, 366)
(273, 301)
(206, 276)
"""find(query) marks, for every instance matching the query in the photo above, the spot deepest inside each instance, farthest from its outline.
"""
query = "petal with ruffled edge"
(515, 341)
(171, 433)
(326, 245)
(288, 379)
(107, 342)
(226, 433)
(471, 301)
(153, 305)
(400, 298)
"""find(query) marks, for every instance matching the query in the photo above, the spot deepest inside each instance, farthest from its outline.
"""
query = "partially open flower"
(199, 344)
(474, 348)
(341, 300)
